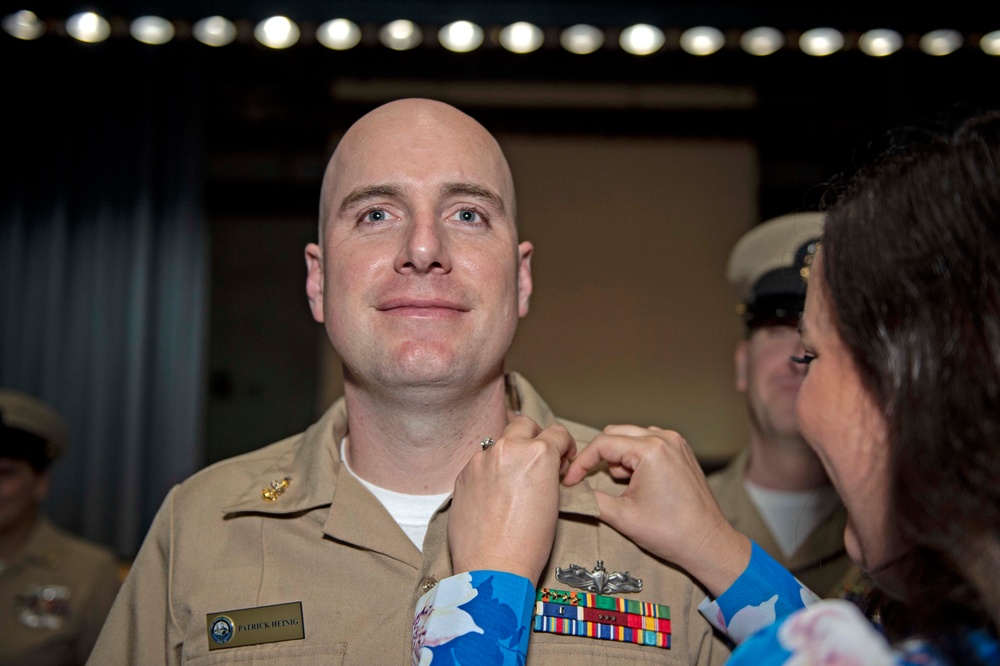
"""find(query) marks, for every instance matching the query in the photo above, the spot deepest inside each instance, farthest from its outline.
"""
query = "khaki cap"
(21, 411)
(766, 266)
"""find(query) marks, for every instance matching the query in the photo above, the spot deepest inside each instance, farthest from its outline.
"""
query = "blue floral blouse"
(483, 617)
(776, 620)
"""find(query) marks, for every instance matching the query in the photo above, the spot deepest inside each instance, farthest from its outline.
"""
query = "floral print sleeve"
(764, 593)
(829, 632)
(777, 620)
(479, 617)
(835, 632)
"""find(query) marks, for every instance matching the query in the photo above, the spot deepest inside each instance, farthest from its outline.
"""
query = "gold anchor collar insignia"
(276, 489)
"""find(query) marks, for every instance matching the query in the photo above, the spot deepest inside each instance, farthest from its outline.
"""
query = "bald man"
(318, 549)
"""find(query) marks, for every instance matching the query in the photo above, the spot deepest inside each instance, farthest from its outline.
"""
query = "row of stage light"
(279, 32)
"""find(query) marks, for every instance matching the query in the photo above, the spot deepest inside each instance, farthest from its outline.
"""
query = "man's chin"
(427, 368)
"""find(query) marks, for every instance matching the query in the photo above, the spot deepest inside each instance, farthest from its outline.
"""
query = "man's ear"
(524, 251)
(314, 280)
(740, 365)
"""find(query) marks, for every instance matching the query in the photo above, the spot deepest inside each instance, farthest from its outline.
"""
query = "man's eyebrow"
(477, 191)
(362, 194)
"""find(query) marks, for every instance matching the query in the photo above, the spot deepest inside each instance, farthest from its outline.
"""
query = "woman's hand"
(506, 501)
(668, 507)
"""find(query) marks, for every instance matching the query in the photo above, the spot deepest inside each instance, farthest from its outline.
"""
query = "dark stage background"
(157, 199)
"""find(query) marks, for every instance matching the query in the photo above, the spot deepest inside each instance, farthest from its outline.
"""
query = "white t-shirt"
(412, 513)
(792, 515)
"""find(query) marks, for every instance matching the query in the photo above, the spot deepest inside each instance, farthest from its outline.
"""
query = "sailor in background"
(55, 588)
(775, 490)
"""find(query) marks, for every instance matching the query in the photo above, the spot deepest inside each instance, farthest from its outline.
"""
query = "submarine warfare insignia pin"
(598, 581)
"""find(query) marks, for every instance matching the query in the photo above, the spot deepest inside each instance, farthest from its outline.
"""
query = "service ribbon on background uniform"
(601, 616)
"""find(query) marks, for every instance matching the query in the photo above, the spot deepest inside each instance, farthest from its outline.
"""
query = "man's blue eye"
(468, 215)
(376, 216)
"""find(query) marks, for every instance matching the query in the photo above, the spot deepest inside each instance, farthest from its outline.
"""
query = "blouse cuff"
(474, 617)
(764, 593)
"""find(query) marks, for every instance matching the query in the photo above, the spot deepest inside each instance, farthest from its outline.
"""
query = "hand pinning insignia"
(276, 489)
(598, 581)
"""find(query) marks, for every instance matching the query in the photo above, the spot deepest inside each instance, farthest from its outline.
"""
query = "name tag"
(253, 626)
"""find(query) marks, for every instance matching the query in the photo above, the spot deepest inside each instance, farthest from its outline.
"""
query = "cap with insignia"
(30, 429)
(769, 265)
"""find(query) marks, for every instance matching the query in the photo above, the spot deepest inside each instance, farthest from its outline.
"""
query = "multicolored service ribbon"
(610, 632)
(604, 602)
(601, 616)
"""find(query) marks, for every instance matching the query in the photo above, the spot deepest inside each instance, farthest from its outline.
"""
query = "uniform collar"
(313, 468)
(310, 465)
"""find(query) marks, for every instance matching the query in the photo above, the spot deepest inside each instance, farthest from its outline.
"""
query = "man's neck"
(417, 442)
(786, 464)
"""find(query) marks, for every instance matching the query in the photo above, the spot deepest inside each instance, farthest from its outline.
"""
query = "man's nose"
(425, 246)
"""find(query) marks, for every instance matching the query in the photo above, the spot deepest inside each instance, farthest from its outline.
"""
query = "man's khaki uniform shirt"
(54, 597)
(820, 563)
(326, 542)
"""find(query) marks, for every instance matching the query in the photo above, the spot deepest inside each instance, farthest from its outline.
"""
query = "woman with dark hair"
(901, 401)
(911, 269)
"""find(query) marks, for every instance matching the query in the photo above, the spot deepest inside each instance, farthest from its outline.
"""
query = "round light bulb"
(88, 27)
(702, 41)
(941, 42)
(821, 41)
(990, 43)
(762, 41)
(152, 30)
(214, 31)
(339, 34)
(522, 37)
(641, 39)
(880, 43)
(277, 32)
(400, 35)
(23, 25)
(581, 39)
(461, 36)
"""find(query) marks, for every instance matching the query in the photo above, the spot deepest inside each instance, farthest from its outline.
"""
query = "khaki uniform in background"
(216, 545)
(53, 599)
(821, 563)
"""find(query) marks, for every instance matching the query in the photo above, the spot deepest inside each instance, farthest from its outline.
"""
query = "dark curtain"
(103, 262)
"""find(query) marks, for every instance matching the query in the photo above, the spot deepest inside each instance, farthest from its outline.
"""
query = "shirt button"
(428, 584)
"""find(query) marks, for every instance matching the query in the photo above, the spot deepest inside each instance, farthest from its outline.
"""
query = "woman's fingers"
(506, 501)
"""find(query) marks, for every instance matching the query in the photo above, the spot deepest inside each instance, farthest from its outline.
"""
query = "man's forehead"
(418, 144)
